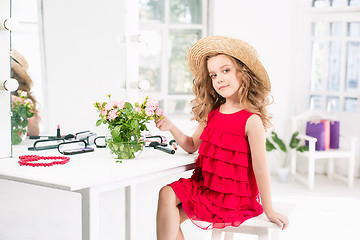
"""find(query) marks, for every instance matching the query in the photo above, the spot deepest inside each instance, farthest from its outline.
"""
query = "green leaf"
(294, 142)
(15, 138)
(279, 142)
(303, 148)
(269, 146)
(128, 106)
(24, 123)
(116, 131)
(135, 125)
(98, 122)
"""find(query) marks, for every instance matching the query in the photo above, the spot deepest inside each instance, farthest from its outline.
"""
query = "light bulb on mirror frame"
(144, 85)
(8, 24)
(10, 85)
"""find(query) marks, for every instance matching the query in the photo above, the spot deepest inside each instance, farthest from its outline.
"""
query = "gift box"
(316, 129)
(326, 133)
(334, 134)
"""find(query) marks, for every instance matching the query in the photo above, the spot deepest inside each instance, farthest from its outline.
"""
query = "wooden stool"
(260, 225)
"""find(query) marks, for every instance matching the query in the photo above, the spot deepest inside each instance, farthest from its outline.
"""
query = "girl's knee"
(167, 195)
(166, 192)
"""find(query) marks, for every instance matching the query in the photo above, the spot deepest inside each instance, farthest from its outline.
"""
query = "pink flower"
(138, 109)
(159, 112)
(16, 99)
(149, 111)
(120, 104)
(103, 112)
(152, 103)
(112, 115)
(28, 101)
(109, 106)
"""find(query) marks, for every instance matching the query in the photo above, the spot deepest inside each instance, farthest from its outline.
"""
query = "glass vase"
(18, 134)
(125, 149)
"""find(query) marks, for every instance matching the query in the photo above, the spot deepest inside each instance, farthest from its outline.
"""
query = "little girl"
(231, 90)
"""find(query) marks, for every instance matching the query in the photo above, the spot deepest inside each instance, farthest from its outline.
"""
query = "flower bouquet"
(126, 124)
(21, 108)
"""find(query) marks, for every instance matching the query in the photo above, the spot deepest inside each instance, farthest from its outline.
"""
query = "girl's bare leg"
(183, 217)
(169, 215)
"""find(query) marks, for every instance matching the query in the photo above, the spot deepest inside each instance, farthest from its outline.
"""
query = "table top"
(93, 169)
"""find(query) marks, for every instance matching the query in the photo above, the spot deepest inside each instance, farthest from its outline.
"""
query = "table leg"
(130, 212)
(90, 214)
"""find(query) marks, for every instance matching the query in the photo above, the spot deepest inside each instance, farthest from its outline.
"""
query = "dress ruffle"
(226, 185)
(209, 209)
(223, 169)
(222, 190)
(211, 150)
(225, 140)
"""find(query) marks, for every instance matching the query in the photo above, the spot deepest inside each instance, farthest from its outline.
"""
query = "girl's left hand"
(278, 219)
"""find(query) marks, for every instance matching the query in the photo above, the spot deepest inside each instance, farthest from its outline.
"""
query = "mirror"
(76, 55)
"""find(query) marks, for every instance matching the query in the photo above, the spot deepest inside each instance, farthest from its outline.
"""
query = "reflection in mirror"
(168, 29)
(25, 41)
(74, 58)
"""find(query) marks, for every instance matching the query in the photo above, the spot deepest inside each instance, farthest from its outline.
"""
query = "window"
(168, 28)
(335, 55)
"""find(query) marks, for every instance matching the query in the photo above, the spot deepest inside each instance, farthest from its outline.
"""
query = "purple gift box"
(334, 134)
(316, 130)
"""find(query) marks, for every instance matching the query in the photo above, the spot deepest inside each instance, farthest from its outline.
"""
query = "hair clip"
(156, 138)
(101, 143)
(74, 147)
(46, 144)
(87, 136)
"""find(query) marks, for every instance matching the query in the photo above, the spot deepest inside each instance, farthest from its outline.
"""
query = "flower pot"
(129, 149)
(283, 174)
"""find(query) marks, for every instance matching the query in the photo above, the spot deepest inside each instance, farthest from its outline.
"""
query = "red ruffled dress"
(222, 190)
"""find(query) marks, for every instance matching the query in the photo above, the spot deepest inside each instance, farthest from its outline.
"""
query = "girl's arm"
(189, 144)
(256, 136)
(33, 126)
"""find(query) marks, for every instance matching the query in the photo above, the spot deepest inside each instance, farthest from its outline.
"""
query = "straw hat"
(230, 46)
(19, 67)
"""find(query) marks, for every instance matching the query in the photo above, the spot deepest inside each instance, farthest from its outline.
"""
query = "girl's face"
(224, 76)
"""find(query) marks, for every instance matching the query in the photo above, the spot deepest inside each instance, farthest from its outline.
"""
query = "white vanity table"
(93, 173)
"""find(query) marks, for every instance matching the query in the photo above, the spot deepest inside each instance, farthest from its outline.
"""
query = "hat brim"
(230, 46)
(21, 76)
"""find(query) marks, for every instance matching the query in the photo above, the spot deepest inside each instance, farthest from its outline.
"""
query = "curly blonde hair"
(253, 94)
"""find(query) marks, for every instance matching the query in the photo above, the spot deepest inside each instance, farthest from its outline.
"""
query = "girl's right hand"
(164, 124)
(278, 219)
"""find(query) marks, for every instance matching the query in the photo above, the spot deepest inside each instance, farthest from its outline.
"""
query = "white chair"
(344, 153)
(259, 226)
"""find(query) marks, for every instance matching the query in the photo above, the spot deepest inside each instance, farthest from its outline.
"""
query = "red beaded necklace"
(30, 160)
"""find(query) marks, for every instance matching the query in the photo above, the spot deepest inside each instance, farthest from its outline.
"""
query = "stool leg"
(330, 170)
(274, 234)
(265, 235)
(311, 173)
(216, 234)
(351, 170)
(229, 236)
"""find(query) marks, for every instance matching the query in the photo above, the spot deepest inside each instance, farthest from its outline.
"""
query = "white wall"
(5, 122)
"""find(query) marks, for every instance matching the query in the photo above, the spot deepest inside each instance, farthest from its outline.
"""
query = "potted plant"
(125, 124)
(22, 109)
(283, 154)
